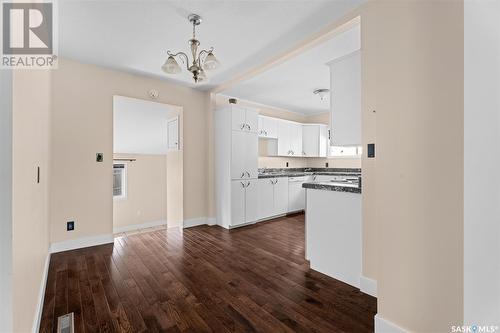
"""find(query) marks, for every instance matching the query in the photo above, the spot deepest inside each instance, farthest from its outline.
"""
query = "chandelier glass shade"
(202, 60)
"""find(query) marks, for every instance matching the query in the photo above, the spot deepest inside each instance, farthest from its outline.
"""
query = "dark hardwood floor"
(204, 279)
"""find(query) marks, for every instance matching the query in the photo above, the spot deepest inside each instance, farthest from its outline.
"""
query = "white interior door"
(173, 133)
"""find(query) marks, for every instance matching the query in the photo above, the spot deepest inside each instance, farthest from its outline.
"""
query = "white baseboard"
(368, 286)
(194, 222)
(78, 243)
(41, 296)
(384, 326)
(211, 221)
(134, 227)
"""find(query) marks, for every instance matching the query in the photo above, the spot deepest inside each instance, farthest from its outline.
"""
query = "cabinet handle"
(242, 126)
(265, 132)
(248, 126)
(248, 174)
(248, 184)
(242, 175)
(242, 184)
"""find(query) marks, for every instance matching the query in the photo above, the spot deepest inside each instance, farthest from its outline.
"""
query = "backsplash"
(297, 162)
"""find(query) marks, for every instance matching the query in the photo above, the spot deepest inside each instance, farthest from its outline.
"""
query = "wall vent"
(65, 323)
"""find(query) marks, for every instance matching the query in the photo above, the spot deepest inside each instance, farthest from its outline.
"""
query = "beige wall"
(413, 73)
(30, 223)
(82, 126)
(175, 214)
(146, 199)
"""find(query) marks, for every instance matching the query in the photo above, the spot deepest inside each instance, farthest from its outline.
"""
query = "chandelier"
(204, 60)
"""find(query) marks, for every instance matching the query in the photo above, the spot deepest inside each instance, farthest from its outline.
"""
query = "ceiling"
(135, 35)
(290, 85)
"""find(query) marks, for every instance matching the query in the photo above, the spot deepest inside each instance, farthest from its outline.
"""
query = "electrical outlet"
(287, 164)
(99, 157)
(326, 164)
(70, 225)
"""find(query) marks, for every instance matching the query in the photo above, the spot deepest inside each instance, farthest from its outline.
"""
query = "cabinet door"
(251, 151)
(271, 127)
(296, 139)
(262, 131)
(293, 196)
(345, 109)
(238, 118)
(238, 154)
(251, 200)
(323, 141)
(283, 138)
(266, 197)
(281, 196)
(237, 202)
(310, 140)
(252, 120)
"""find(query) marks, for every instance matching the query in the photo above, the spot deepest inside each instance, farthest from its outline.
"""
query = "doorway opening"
(147, 165)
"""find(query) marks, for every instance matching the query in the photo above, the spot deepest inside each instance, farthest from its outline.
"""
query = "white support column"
(482, 163)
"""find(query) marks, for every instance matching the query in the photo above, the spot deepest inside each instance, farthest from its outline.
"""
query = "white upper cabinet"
(238, 118)
(244, 119)
(295, 134)
(268, 127)
(284, 140)
(289, 138)
(345, 113)
(314, 140)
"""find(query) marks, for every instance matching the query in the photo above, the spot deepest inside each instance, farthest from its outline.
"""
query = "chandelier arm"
(202, 52)
(180, 54)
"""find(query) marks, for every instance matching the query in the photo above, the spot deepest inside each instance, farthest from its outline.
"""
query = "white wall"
(139, 126)
(482, 163)
(6, 201)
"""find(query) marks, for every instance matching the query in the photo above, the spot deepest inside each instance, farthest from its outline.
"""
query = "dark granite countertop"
(298, 172)
(332, 186)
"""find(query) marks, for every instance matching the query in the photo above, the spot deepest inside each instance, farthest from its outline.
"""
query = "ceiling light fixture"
(322, 93)
(199, 65)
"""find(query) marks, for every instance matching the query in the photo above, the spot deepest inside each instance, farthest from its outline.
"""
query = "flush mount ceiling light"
(322, 93)
(204, 60)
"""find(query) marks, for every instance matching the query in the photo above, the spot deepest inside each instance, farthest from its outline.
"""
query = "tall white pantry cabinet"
(236, 169)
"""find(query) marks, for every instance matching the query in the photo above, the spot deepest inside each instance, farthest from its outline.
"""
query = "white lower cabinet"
(244, 201)
(251, 201)
(281, 196)
(266, 198)
(296, 193)
(273, 197)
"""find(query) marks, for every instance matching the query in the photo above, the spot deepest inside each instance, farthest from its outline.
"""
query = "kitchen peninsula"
(333, 229)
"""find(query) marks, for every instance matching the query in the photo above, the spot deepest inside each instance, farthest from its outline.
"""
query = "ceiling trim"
(332, 30)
